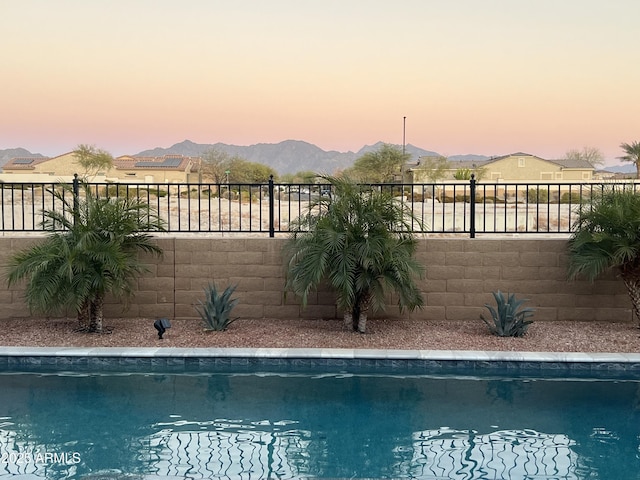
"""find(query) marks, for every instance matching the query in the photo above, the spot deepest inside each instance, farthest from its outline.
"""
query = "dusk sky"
(489, 77)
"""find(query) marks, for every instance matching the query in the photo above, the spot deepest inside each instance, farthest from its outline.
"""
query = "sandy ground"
(382, 334)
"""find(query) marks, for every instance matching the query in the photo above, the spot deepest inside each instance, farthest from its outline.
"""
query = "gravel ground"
(382, 334)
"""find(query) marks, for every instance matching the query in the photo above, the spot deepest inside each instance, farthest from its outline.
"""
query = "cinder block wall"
(460, 276)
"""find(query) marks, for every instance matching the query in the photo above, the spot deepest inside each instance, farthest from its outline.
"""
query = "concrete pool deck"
(394, 361)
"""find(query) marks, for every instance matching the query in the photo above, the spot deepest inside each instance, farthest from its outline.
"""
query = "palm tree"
(632, 151)
(359, 241)
(607, 235)
(92, 251)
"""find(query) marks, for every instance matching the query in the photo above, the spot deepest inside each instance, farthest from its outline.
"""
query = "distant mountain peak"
(287, 156)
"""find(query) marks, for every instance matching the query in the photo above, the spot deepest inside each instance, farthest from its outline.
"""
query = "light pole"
(404, 132)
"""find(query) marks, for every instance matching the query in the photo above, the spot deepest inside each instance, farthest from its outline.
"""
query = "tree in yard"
(359, 241)
(591, 155)
(632, 151)
(466, 173)
(434, 167)
(244, 171)
(92, 160)
(214, 165)
(380, 166)
(303, 176)
(606, 236)
(92, 251)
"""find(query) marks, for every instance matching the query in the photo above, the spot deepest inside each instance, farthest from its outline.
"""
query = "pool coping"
(321, 353)
(166, 360)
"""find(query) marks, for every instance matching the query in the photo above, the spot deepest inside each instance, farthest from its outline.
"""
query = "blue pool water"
(295, 425)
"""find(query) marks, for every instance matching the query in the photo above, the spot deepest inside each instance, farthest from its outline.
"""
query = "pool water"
(107, 426)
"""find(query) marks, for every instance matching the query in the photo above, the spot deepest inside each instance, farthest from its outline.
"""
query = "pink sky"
(491, 77)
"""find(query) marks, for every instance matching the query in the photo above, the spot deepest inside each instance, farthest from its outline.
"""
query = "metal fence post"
(76, 196)
(271, 208)
(472, 218)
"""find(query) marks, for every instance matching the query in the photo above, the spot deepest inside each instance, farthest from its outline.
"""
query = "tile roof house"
(165, 169)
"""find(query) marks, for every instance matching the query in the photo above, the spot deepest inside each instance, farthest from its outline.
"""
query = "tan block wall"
(460, 276)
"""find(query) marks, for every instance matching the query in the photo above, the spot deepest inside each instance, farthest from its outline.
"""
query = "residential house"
(165, 169)
(516, 167)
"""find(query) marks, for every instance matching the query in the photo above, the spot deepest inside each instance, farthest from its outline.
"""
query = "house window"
(496, 176)
(546, 175)
(558, 175)
(521, 162)
(586, 175)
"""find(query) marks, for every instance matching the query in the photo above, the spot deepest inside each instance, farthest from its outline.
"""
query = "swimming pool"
(277, 414)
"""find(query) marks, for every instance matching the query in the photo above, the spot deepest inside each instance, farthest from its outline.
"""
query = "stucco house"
(165, 169)
(516, 167)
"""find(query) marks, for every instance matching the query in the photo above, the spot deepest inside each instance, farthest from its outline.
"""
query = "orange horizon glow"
(488, 78)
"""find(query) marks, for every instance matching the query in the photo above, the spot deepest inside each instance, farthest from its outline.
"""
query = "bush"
(508, 319)
(157, 192)
(535, 195)
(570, 197)
(463, 174)
(191, 193)
(215, 311)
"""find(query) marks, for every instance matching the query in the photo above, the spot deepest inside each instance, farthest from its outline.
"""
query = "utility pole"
(404, 133)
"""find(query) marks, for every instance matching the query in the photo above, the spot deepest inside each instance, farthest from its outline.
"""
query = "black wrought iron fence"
(460, 207)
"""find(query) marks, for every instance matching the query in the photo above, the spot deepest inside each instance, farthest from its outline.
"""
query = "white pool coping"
(323, 353)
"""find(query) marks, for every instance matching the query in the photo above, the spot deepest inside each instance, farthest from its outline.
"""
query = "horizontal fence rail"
(462, 207)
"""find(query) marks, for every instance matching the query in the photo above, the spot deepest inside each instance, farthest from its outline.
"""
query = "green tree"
(244, 171)
(632, 151)
(380, 166)
(359, 241)
(434, 168)
(92, 160)
(92, 251)
(304, 176)
(591, 155)
(607, 235)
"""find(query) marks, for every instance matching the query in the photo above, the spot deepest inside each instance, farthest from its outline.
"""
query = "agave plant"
(509, 320)
(215, 311)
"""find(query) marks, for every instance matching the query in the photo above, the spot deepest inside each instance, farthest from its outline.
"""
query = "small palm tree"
(92, 251)
(607, 235)
(359, 241)
(632, 151)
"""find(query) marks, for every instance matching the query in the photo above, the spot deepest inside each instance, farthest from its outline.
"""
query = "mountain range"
(289, 156)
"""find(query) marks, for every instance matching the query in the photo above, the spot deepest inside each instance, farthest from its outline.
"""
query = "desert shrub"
(127, 191)
(157, 192)
(252, 195)
(570, 197)
(509, 320)
(215, 311)
(191, 193)
(209, 193)
(463, 174)
(537, 195)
